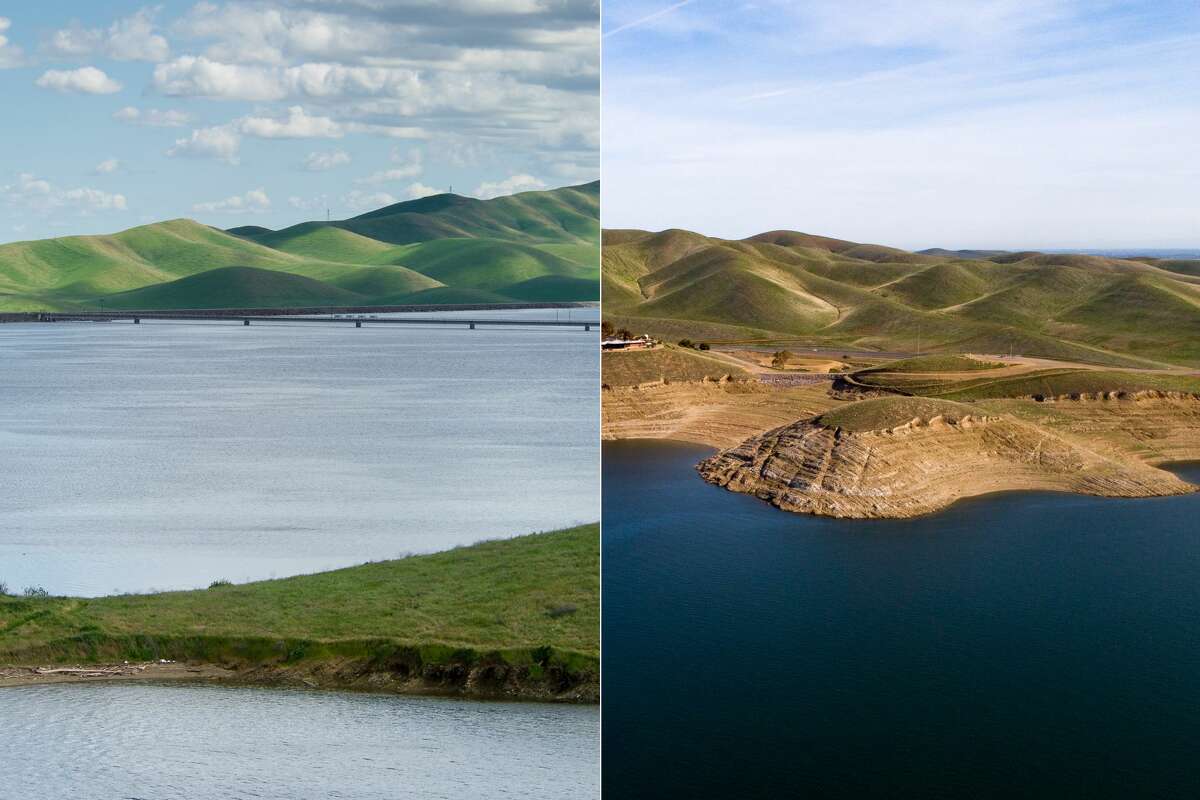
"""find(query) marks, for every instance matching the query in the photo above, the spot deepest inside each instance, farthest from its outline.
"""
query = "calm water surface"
(167, 455)
(1019, 645)
(108, 742)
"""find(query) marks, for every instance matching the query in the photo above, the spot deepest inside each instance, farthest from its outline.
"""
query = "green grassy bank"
(508, 618)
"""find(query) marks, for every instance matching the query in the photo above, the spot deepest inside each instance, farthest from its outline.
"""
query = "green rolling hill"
(532, 246)
(234, 287)
(785, 285)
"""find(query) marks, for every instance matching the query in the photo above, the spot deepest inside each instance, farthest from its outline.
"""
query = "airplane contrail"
(649, 18)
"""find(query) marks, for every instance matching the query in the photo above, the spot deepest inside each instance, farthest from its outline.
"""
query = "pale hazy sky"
(913, 123)
(267, 112)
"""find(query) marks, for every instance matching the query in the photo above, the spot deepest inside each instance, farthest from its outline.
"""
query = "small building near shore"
(640, 343)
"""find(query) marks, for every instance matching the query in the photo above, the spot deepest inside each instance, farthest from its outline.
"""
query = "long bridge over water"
(335, 319)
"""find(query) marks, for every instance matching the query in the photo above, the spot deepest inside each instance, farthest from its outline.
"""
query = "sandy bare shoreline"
(89, 673)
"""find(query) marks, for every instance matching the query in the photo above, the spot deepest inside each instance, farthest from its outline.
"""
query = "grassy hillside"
(236, 287)
(474, 247)
(512, 596)
(674, 363)
(889, 412)
(322, 241)
(935, 364)
(483, 263)
(983, 384)
(788, 286)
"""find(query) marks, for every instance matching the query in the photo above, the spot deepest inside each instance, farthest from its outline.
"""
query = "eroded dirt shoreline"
(486, 682)
(772, 446)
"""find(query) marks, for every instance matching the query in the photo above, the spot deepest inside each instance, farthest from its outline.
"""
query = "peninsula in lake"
(540, 246)
(857, 380)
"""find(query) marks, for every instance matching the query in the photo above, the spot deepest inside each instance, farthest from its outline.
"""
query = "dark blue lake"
(1029, 644)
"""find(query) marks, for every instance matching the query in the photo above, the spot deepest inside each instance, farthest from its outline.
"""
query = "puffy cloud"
(252, 202)
(321, 162)
(153, 117)
(410, 167)
(85, 80)
(512, 77)
(197, 76)
(220, 142)
(30, 192)
(395, 91)
(297, 125)
(10, 54)
(308, 203)
(363, 201)
(510, 185)
(390, 131)
(416, 191)
(107, 166)
(132, 38)
(270, 34)
(95, 199)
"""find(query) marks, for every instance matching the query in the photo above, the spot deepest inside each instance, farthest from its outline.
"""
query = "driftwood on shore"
(91, 672)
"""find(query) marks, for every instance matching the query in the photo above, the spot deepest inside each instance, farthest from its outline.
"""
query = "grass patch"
(493, 596)
(1046, 382)
(668, 363)
(888, 412)
(937, 363)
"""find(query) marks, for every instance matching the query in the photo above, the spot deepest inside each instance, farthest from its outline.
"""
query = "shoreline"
(480, 683)
(428, 624)
(768, 447)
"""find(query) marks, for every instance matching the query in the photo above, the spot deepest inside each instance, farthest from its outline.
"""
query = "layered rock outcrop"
(922, 466)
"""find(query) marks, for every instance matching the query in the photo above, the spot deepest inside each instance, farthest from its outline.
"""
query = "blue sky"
(268, 112)
(912, 123)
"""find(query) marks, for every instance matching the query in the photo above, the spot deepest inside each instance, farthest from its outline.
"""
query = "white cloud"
(510, 185)
(390, 131)
(308, 203)
(197, 76)
(95, 199)
(254, 201)
(322, 162)
(363, 201)
(271, 34)
(132, 38)
(85, 80)
(297, 125)
(220, 142)
(10, 54)
(410, 167)
(397, 91)
(416, 191)
(107, 166)
(515, 80)
(153, 117)
(30, 192)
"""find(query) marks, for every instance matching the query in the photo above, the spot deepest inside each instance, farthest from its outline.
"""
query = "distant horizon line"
(1089, 249)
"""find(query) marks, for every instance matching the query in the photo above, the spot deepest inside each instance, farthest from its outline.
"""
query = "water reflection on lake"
(166, 455)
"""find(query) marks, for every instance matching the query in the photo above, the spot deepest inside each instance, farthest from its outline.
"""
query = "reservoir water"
(107, 741)
(168, 455)
(1017, 645)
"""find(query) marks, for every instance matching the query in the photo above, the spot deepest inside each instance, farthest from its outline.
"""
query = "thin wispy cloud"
(1006, 124)
(637, 23)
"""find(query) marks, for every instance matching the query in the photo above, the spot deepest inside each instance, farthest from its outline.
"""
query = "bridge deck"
(358, 321)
